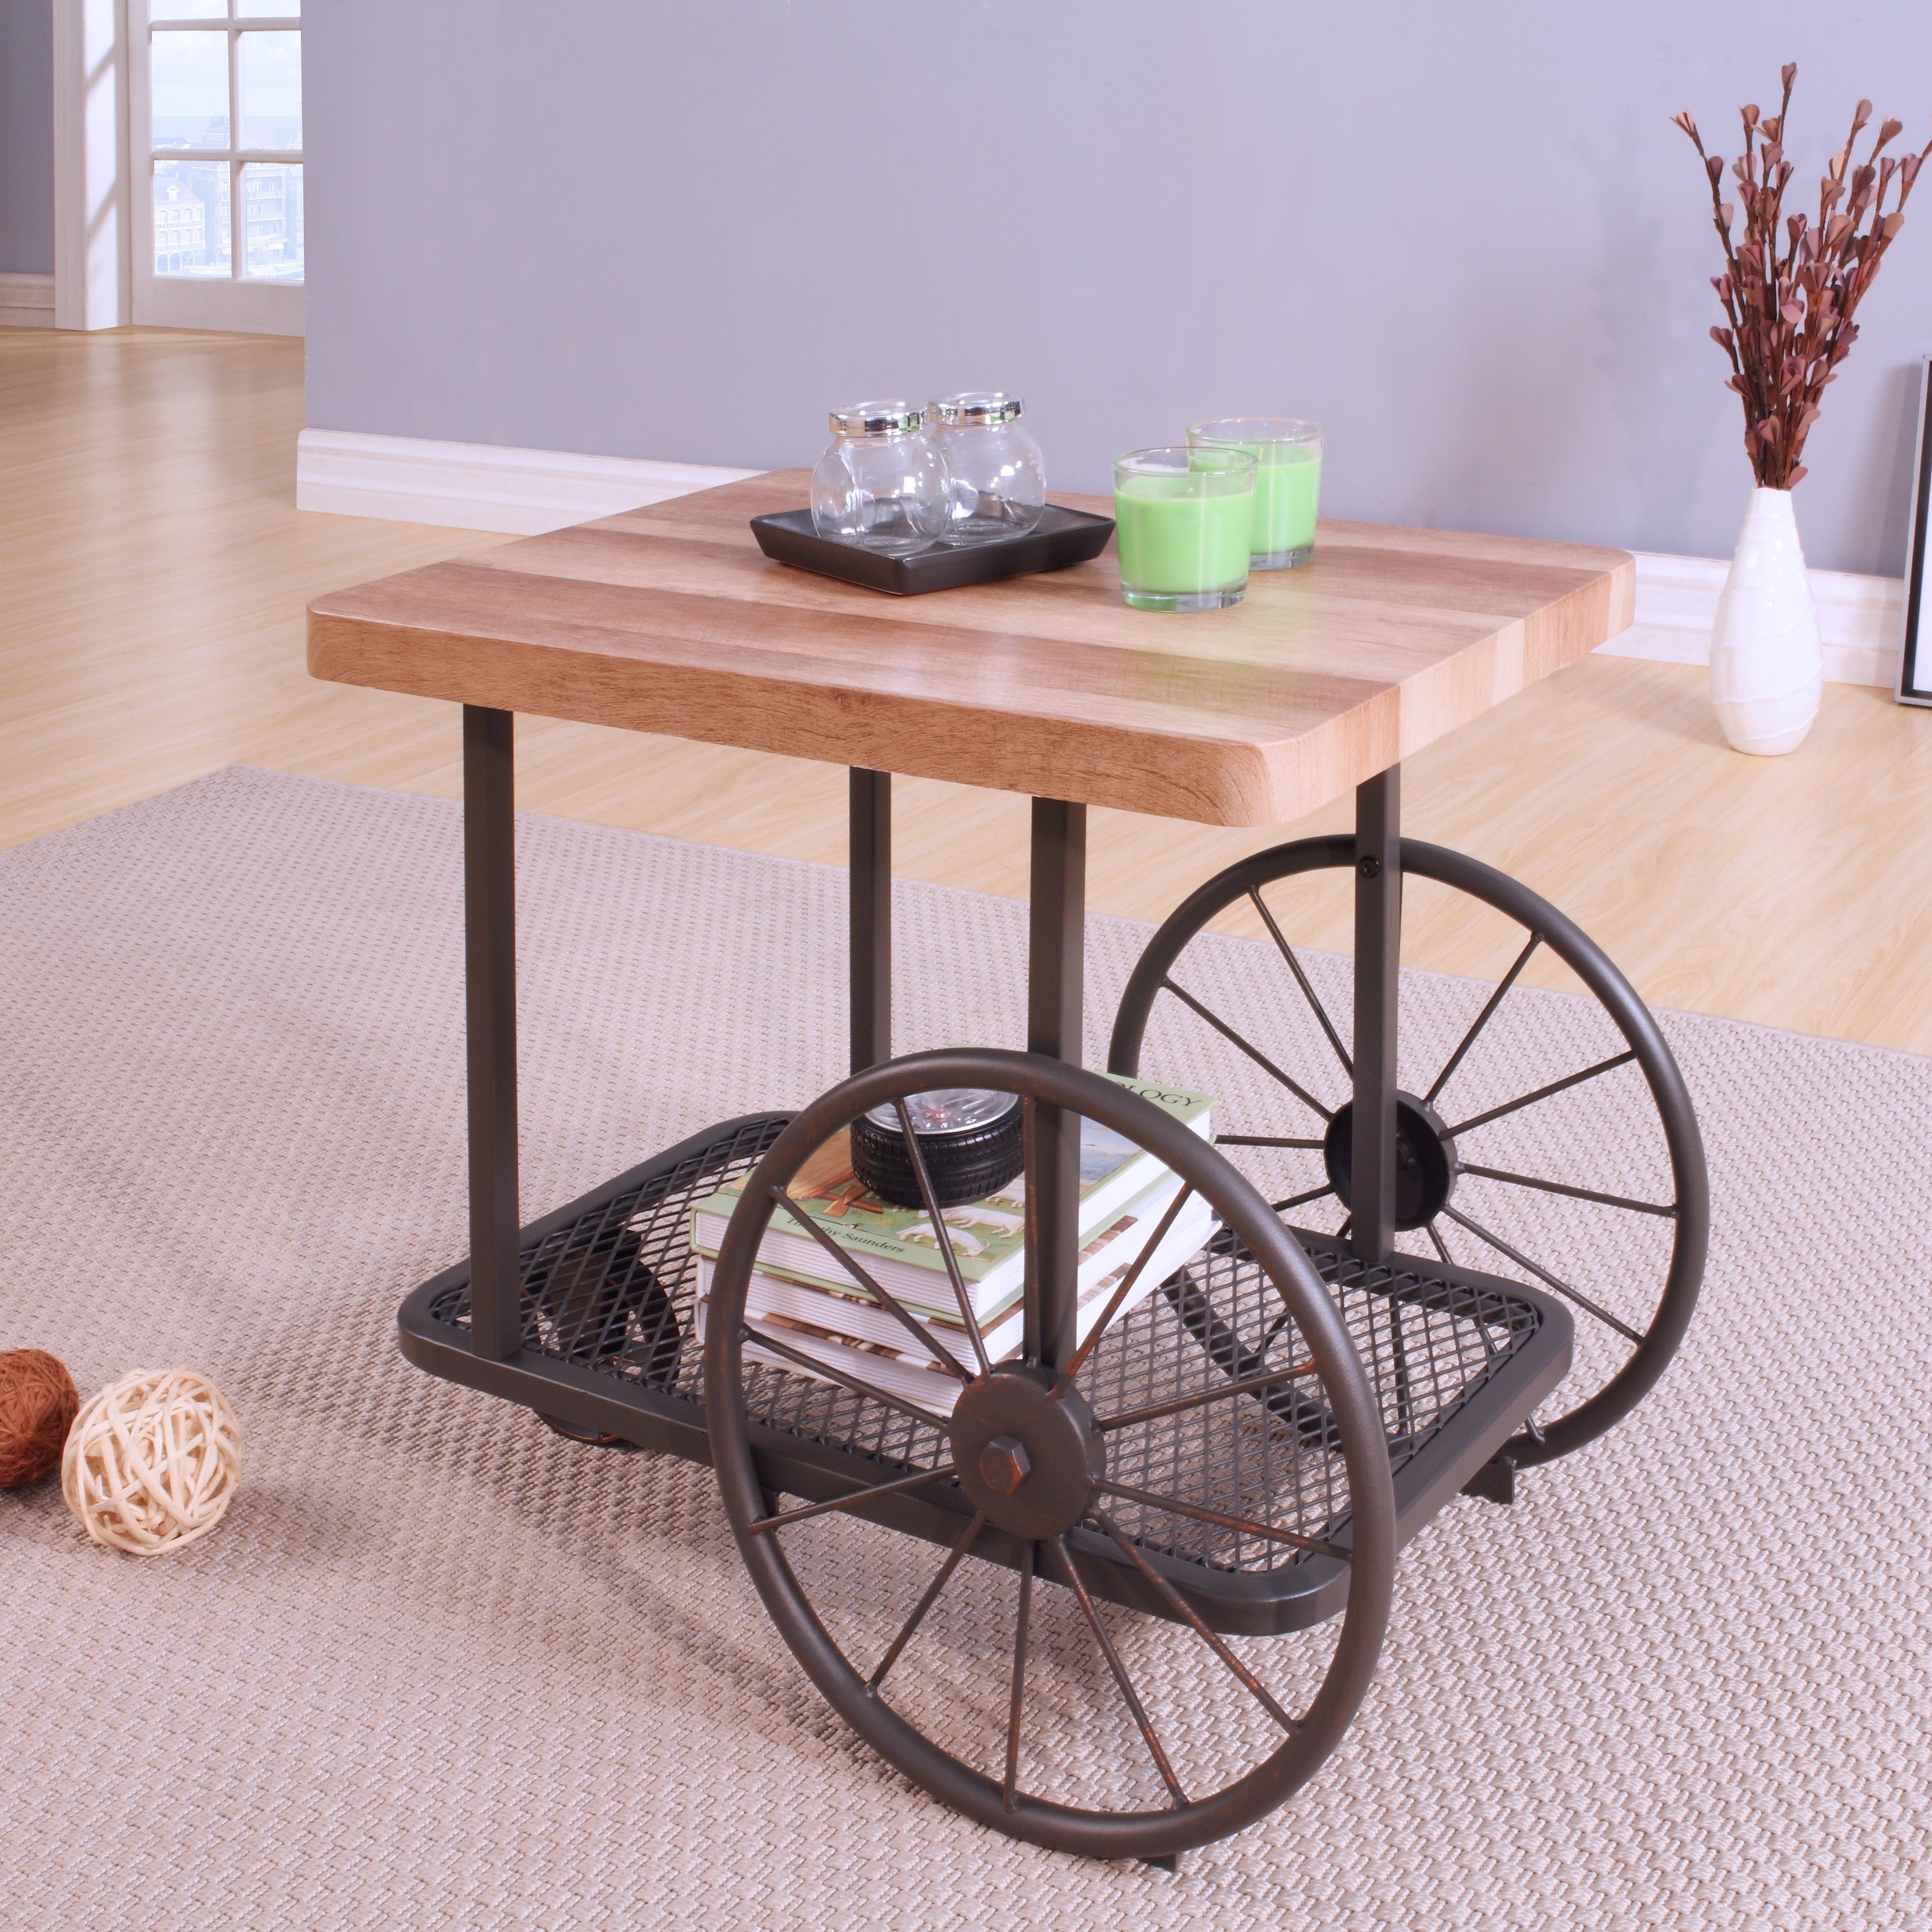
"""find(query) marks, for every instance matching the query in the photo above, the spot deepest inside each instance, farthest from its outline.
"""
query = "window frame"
(236, 302)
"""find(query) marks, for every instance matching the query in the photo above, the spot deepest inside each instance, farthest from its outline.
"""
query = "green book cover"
(899, 1246)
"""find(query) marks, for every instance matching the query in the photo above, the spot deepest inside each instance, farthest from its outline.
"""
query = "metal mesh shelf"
(608, 1292)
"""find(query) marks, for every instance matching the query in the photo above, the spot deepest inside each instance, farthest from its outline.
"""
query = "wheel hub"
(1026, 1457)
(1425, 1160)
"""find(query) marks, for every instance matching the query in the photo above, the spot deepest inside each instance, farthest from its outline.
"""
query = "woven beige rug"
(440, 1668)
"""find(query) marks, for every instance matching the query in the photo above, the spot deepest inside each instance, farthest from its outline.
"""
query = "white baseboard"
(26, 302)
(474, 486)
(1860, 618)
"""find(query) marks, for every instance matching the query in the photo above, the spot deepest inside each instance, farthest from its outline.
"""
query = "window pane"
(188, 74)
(191, 227)
(271, 211)
(269, 9)
(272, 90)
(188, 10)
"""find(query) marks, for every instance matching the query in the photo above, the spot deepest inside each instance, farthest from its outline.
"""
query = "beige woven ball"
(152, 1462)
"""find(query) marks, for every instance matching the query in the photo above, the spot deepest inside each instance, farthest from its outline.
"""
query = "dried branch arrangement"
(1790, 315)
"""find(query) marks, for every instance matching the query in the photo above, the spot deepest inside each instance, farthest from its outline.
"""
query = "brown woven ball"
(38, 1403)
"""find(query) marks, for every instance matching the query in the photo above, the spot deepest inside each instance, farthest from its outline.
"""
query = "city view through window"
(225, 115)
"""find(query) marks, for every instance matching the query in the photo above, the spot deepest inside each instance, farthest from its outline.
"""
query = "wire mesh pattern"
(1426, 1345)
(613, 1290)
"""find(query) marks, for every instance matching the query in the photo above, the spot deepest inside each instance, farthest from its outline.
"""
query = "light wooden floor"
(154, 571)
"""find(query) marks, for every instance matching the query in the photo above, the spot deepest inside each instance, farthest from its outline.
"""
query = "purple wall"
(1468, 239)
(26, 137)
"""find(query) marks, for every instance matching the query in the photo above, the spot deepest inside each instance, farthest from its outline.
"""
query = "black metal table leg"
(1377, 965)
(490, 966)
(1056, 935)
(870, 862)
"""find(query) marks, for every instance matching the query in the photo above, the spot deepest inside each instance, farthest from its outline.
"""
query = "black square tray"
(1060, 538)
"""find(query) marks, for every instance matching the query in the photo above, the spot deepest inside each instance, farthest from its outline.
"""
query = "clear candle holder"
(1288, 481)
(1183, 521)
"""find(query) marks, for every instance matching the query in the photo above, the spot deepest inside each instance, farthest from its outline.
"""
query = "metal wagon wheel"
(1454, 1187)
(1020, 1690)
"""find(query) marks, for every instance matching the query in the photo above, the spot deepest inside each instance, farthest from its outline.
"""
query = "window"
(217, 126)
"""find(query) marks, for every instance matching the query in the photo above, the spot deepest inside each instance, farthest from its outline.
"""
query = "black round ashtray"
(972, 1142)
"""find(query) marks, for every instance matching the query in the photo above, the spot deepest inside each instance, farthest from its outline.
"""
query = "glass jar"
(883, 484)
(999, 477)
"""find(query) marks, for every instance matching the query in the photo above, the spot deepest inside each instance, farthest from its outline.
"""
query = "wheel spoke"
(1494, 1000)
(765, 1340)
(1302, 1200)
(784, 1518)
(888, 1301)
(1180, 1606)
(1266, 1141)
(1543, 1274)
(1301, 980)
(1543, 1093)
(926, 1602)
(1248, 1385)
(1121, 1294)
(1135, 1709)
(1575, 1193)
(1010, 1784)
(1441, 1248)
(1253, 1052)
(944, 1235)
(1221, 1520)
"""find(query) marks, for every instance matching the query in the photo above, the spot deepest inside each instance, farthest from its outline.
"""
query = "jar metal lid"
(947, 1110)
(895, 418)
(974, 407)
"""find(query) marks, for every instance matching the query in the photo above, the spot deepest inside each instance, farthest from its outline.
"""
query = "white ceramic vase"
(1767, 667)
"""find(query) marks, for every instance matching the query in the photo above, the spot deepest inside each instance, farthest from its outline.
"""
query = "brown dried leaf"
(1683, 120)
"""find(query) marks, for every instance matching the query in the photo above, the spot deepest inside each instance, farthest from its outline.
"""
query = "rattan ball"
(152, 1462)
(37, 1401)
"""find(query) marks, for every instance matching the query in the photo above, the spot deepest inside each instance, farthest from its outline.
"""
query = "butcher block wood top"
(670, 620)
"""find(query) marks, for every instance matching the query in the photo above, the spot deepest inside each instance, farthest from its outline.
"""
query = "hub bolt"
(1004, 1465)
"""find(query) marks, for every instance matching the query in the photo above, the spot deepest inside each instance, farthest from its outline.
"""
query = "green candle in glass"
(1288, 481)
(1184, 522)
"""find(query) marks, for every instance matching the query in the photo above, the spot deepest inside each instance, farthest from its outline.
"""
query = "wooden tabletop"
(670, 620)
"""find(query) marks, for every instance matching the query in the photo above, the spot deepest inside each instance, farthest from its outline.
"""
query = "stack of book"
(801, 1297)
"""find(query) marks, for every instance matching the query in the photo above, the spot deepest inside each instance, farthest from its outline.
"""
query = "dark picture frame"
(1914, 663)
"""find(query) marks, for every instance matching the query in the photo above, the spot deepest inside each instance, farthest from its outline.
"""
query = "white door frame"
(104, 206)
(92, 286)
